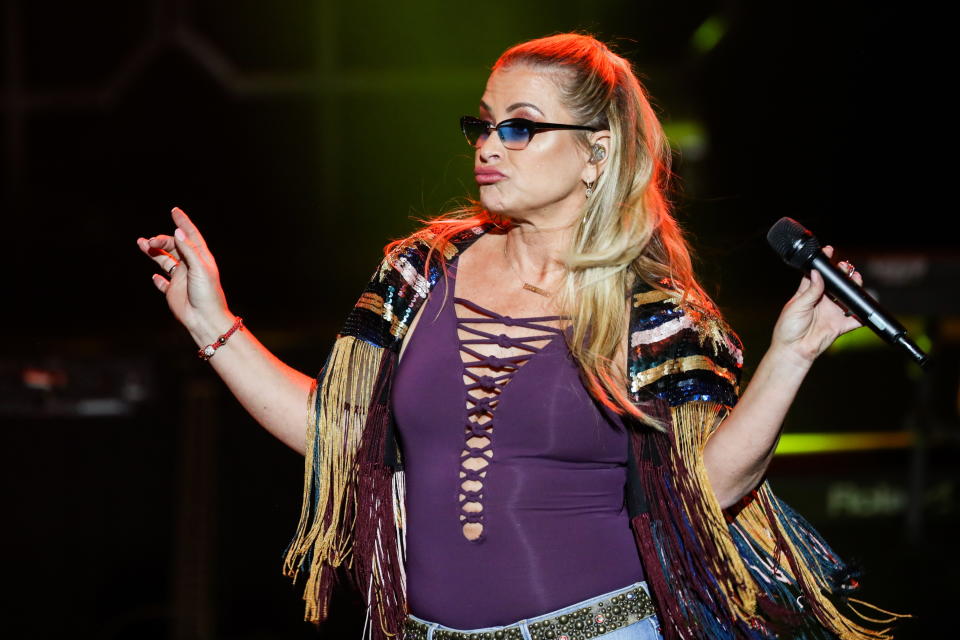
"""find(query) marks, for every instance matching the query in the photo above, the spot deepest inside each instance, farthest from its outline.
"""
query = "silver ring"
(850, 269)
(172, 269)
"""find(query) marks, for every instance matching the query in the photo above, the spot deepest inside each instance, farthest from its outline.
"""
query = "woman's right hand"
(274, 394)
(193, 290)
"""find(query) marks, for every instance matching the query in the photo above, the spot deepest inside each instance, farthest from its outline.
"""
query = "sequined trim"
(661, 332)
(680, 365)
(647, 297)
(371, 302)
(412, 277)
(582, 624)
(734, 350)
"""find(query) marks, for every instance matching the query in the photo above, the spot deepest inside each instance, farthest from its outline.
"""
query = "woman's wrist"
(206, 329)
(788, 360)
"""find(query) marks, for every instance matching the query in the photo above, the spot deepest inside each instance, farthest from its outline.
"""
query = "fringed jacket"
(756, 570)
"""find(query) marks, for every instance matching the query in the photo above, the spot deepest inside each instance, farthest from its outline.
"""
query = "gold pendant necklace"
(526, 285)
(536, 289)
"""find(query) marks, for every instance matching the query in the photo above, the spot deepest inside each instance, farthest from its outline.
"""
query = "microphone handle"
(861, 304)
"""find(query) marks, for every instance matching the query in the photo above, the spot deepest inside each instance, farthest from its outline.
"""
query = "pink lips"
(488, 176)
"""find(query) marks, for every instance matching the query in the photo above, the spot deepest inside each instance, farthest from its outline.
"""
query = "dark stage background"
(142, 502)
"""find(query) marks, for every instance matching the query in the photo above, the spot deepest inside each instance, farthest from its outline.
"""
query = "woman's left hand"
(811, 321)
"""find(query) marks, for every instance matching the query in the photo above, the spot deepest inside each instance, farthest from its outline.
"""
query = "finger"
(160, 243)
(184, 222)
(851, 271)
(804, 285)
(828, 250)
(174, 267)
(166, 260)
(813, 292)
(850, 324)
(161, 283)
(187, 249)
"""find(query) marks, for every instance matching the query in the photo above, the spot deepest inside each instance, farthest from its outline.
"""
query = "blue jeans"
(646, 629)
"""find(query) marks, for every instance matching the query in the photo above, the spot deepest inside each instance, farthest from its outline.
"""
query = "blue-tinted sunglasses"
(514, 133)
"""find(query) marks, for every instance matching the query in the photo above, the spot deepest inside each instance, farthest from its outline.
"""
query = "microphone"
(801, 250)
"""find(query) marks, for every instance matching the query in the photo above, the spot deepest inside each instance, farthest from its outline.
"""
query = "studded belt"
(580, 624)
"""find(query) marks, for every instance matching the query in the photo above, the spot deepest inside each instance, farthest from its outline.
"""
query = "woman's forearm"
(272, 392)
(737, 455)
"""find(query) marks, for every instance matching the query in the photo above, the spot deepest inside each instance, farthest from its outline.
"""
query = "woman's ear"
(597, 156)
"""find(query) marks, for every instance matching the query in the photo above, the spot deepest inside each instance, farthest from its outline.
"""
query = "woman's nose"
(490, 146)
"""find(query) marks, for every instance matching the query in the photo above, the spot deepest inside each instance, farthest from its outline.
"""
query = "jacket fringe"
(323, 538)
(762, 573)
(379, 554)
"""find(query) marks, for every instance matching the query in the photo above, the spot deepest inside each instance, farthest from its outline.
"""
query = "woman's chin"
(492, 202)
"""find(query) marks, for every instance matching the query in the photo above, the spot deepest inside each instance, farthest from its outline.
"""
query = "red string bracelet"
(207, 352)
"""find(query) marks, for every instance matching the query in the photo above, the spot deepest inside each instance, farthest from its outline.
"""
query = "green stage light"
(805, 443)
(708, 34)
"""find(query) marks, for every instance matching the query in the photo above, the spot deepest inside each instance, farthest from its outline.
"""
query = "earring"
(590, 188)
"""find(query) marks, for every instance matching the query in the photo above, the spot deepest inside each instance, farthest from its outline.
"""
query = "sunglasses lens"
(514, 135)
(474, 129)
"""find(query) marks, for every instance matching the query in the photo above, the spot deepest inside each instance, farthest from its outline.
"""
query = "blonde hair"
(626, 230)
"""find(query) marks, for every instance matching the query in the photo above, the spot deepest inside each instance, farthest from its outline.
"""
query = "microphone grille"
(793, 242)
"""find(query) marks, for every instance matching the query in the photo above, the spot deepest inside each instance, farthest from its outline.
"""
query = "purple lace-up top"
(515, 478)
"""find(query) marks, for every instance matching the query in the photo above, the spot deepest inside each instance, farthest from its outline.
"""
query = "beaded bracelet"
(207, 352)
